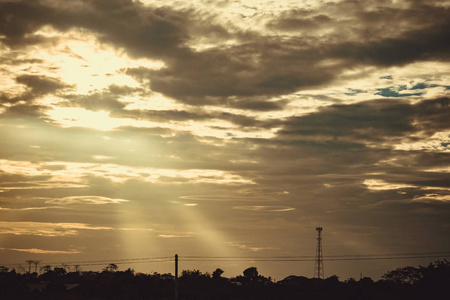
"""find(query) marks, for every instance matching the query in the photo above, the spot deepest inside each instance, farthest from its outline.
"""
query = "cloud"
(374, 184)
(96, 200)
(265, 208)
(245, 122)
(431, 198)
(268, 67)
(134, 229)
(253, 249)
(96, 101)
(414, 46)
(230, 198)
(28, 208)
(121, 22)
(20, 19)
(371, 121)
(176, 235)
(41, 85)
(300, 20)
(229, 78)
(41, 251)
(45, 228)
(242, 74)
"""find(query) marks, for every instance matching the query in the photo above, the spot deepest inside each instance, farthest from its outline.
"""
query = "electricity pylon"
(318, 268)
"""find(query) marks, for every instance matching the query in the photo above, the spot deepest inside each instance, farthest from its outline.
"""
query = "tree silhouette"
(251, 273)
(4, 269)
(408, 283)
(217, 273)
(59, 271)
(111, 268)
(405, 275)
(46, 268)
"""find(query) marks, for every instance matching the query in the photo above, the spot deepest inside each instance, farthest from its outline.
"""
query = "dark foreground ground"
(431, 282)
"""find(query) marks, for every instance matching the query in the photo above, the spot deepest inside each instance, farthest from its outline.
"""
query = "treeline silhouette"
(429, 282)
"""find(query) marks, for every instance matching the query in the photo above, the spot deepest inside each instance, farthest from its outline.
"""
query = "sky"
(142, 129)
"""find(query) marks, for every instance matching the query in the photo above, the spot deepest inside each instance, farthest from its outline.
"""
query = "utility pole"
(36, 263)
(176, 276)
(29, 262)
(318, 268)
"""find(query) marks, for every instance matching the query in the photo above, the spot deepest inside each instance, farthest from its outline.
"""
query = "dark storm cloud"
(375, 19)
(392, 36)
(337, 139)
(165, 116)
(18, 19)
(29, 110)
(123, 23)
(261, 105)
(36, 86)
(325, 157)
(270, 66)
(377, 120)
(300, 20)
(143, 32)
(420, 45)
(243, 76)
(41, 85)
(246, 123)
(160, 115)
(232, 75)
(11, 60)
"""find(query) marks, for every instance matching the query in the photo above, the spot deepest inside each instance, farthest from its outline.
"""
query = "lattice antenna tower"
(318, 268)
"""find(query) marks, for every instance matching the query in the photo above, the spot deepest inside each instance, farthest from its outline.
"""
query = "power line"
(104, 261)
(122, 260)
(387, 257)
(190, 258)
(328, 257)
(392, 254)
(312, 260)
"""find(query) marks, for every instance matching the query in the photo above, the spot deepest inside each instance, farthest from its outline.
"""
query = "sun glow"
(80, 117)
(79, 59)
(102, 120)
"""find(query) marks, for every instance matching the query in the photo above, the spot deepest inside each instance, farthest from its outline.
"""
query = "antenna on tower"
(318, 268)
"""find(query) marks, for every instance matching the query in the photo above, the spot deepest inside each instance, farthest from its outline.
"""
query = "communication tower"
(318, 268)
